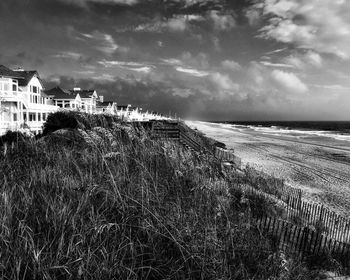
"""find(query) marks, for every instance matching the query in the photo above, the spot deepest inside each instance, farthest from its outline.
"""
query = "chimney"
(101, 98)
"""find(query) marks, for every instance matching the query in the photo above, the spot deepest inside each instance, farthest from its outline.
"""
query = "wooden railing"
(175, 131)
(228, 156)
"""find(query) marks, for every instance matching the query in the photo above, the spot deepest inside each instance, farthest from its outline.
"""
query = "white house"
(65, 99)
(89, 99)
(75, 99)
(22, 101)
(109, 107)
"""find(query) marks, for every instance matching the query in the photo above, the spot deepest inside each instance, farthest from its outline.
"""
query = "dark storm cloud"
(214, 59)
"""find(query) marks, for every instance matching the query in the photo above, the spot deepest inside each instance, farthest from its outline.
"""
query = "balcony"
(6, 125)
(10, 96)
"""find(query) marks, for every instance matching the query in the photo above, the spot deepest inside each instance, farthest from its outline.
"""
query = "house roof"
(122, 107)
(8, 73)
(59, 93)
(105, 103)
(27, 76)
(84, 93)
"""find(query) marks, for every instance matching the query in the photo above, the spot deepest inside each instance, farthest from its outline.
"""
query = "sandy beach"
(320, 167)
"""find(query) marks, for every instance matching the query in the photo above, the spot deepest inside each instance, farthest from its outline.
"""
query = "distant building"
(89, 99)
(23, 104)
(109, 107)
(65, 99)
(75, 99)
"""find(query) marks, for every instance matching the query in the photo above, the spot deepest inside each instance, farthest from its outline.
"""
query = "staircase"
(175, 131)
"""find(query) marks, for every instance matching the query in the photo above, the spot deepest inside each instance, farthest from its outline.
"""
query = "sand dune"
(320, 168)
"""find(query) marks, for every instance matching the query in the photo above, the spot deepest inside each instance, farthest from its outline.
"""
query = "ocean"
(326, 130)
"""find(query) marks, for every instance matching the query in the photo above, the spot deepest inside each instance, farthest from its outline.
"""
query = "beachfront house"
(135, 114)
(23, 104)
(109, 107)
(75, 99)
(89, 99)
(64, 99)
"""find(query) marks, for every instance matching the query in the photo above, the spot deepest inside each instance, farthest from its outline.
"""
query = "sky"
(201, 59)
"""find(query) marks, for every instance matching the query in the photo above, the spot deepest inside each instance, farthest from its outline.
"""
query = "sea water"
(308, 130)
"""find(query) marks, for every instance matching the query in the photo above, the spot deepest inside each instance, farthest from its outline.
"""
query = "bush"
(74, 120)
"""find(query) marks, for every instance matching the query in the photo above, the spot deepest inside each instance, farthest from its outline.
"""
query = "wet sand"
(318, 166)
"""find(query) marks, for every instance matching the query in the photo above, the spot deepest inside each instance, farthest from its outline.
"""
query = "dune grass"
(111, 203)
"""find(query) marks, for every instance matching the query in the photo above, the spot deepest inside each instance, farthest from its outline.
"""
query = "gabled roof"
(27, 76)
(8, 73)
(122, 107)
(58, 93)
(84, 93)
(104, 104)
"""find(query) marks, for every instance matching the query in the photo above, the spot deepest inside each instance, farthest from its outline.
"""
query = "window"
(14, 117)
(35, 89)
(39, 117)
(6, 87)
(32, 117)
(24, 116)
(14, 87)
(44, 116)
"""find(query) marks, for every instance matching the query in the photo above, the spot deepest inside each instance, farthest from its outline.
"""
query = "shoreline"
(321, 170)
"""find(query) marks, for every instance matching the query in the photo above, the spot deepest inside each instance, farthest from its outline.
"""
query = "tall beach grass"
(100, 199)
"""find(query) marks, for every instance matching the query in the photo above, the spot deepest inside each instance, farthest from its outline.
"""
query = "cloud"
(224, 85)
(323, 26)
(171, 61)
(222, 21)
(288, 81)
(332, 87)
(109, 63)
(101, 41)
(269, 64)
(145, 69)
(84, 3)
(177, 23)
(314, 59)
(192, 72)
(304, 60)
(128, 65)
(231, 65)
(276, 51)
(68, 55)
(201, 60)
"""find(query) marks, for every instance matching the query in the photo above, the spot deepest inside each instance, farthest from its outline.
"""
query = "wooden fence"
(303, 240)
(227, 155)
(271, 185)
(320, 218)
(312, 215)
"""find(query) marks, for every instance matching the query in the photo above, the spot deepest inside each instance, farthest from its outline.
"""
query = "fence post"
(299, 201)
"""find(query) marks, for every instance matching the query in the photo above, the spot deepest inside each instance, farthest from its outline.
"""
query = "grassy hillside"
(94, 198)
